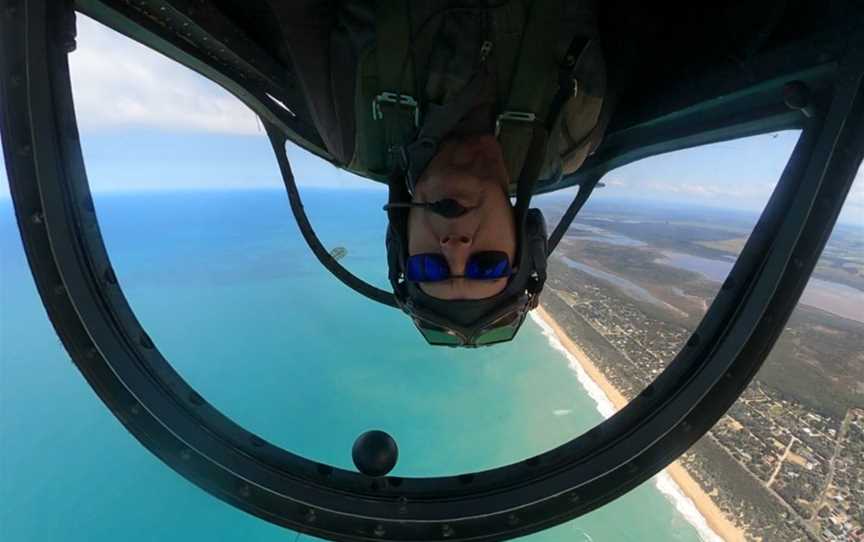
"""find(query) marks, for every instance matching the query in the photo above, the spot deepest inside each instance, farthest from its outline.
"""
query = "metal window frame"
(97, 326)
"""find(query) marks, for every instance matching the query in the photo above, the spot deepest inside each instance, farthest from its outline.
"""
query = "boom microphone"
(448, 208)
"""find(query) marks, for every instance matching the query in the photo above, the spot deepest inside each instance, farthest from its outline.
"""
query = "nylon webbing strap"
(438, 122)
(585, 190)
(510, 25)
(530, 170)
(277, 141)
(537, 67)
(396, 107)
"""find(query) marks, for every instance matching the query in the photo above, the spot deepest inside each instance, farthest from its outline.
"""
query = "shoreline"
(707, 514)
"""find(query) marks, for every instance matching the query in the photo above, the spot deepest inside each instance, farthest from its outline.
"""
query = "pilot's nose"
(456, 249)
(455, 240)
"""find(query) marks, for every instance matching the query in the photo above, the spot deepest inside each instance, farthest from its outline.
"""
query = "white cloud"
(118, 83)
(753, 194)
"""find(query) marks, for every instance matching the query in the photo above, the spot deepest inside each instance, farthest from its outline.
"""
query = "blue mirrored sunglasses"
(488, 265)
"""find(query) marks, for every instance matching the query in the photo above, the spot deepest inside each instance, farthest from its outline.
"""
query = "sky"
(148, 123)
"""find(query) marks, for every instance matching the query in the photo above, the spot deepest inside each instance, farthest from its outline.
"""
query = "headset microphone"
(448, 208)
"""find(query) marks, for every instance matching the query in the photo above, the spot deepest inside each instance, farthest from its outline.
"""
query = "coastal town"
(778, 467)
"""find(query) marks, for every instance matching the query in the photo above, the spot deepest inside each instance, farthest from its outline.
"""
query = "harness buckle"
(516, 116)
(396, 99)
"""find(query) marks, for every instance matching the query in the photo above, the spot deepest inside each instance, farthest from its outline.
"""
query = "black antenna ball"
(375, 453)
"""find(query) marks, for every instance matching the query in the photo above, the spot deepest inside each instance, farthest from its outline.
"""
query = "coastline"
(674, 481)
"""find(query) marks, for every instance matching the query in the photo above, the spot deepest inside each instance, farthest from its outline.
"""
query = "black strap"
(278, 140)
(533, 162)
(585, 190)
(438, 122)
(397, 103)
(525, 111)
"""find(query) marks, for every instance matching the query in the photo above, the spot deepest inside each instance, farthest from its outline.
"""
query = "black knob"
(375, 453)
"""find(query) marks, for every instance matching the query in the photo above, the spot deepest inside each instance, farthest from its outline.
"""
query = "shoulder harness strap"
(396, 107)
(527, 104)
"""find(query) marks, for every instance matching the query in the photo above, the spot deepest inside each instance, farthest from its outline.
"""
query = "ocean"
(233, 298)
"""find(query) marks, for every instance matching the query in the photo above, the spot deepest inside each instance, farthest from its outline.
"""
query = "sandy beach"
(715, 518)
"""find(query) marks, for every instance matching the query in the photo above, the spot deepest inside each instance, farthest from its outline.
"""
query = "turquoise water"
(231, 295)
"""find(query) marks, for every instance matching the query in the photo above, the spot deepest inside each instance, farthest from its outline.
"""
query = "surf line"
(674, 482)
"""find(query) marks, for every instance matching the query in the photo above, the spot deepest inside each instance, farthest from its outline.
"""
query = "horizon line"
(380, 187)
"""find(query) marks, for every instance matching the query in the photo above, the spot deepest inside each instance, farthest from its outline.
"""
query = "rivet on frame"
(109, 276)
(145, 341)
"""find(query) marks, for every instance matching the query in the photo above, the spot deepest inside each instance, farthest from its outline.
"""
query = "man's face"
(470, 170)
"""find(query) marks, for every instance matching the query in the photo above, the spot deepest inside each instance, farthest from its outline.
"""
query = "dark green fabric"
(532, 85)
(430, 53)
(389, 67)
(395, 74)
(369, 155)
(509, 21)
